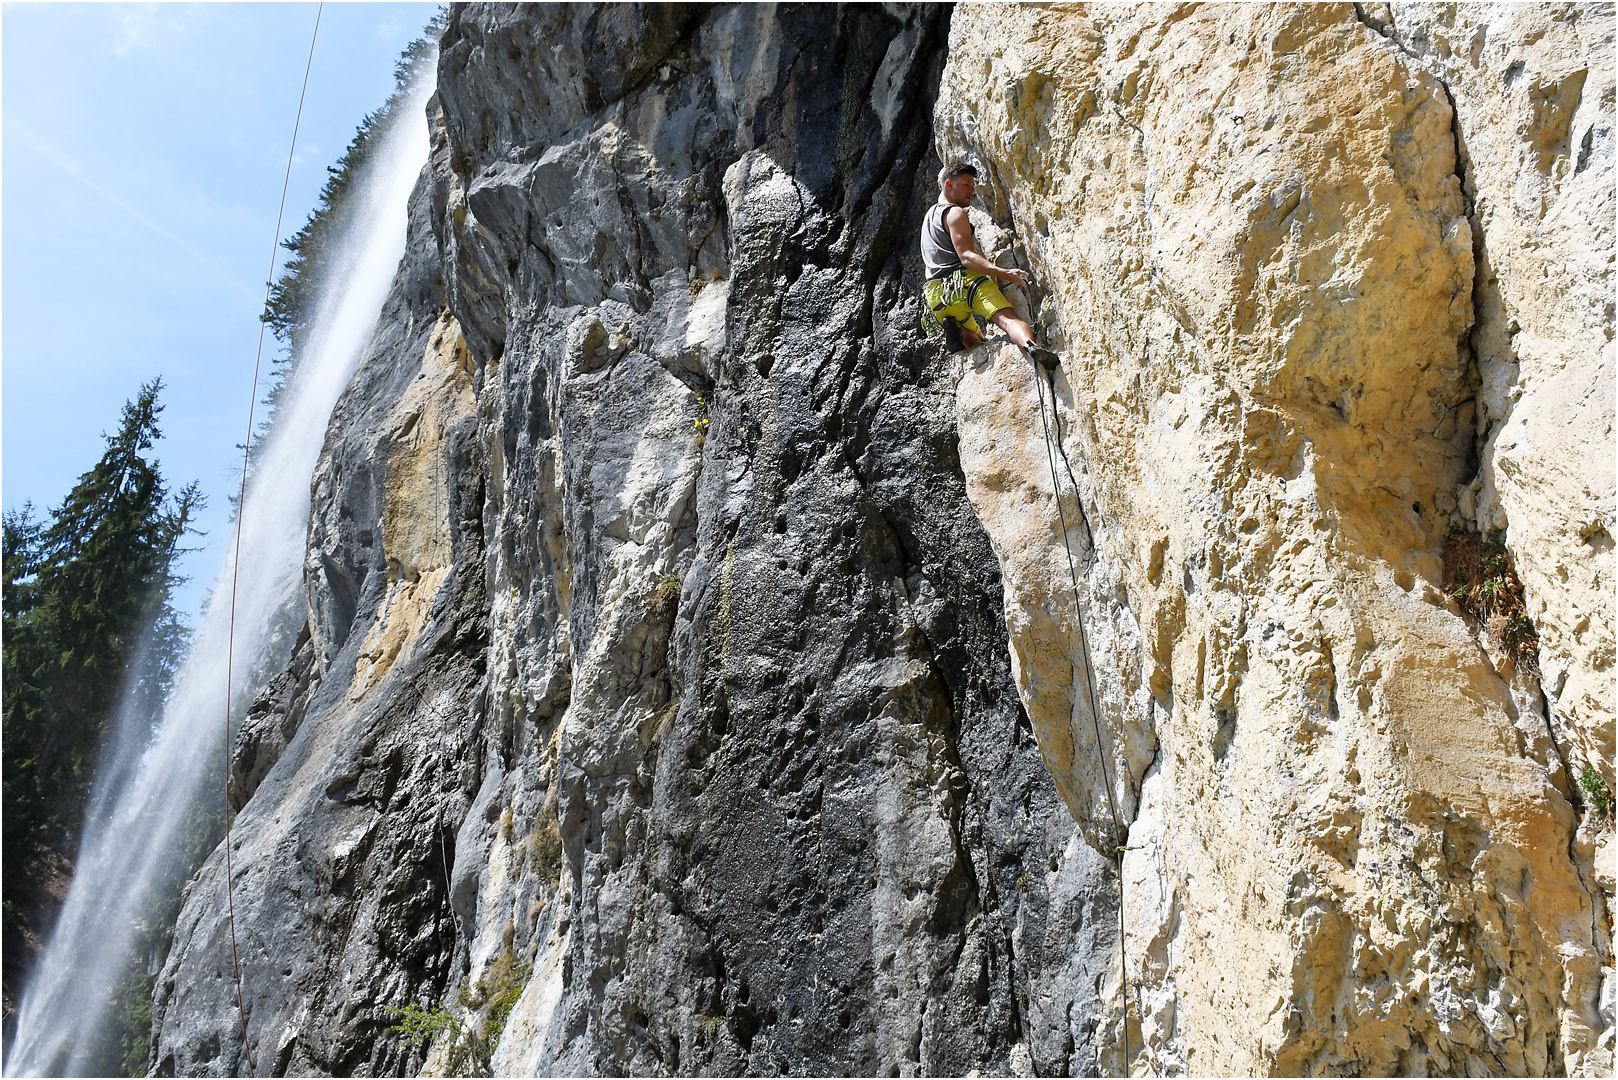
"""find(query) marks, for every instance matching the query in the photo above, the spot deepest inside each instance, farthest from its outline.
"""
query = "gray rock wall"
(642, 528)
(657, 711)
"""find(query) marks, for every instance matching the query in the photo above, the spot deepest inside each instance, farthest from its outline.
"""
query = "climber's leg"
(991, 303)
(1020, 332)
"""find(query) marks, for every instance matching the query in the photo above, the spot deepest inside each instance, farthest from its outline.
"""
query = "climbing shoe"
(1047, 359)
(952, 336)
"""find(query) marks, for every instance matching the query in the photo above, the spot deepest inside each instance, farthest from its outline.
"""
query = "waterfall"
(145, 785)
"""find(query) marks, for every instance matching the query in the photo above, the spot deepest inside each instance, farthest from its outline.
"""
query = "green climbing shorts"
(957, 297)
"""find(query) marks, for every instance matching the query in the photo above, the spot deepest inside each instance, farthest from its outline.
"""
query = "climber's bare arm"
(960, 234)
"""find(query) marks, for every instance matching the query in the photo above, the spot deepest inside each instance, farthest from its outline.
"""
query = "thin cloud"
(139, 25)
(34, 142)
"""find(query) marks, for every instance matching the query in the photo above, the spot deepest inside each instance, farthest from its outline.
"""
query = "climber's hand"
(1017, 277)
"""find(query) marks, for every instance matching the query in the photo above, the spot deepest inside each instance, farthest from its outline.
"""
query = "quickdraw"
(952, 289)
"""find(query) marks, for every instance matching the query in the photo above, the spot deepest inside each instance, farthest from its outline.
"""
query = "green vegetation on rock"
(468, 1043)
(545, 847)
(1600, 799)
(1479, 575)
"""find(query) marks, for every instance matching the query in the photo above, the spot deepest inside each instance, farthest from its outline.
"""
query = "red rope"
(241, 516)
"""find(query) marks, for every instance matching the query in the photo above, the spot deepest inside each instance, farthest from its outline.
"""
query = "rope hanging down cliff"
(1089, 672)
(236, 554)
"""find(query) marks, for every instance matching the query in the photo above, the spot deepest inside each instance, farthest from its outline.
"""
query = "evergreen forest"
(92, 643)
(90, 637)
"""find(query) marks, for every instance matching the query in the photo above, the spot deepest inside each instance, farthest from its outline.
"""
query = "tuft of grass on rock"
(466, 1054)
(1598, 800)
(502, 984)
(665, 598)
(472, 1040)
(545, 847)
(1479, 574)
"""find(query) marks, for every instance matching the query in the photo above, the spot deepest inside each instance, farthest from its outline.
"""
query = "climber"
(960, 282)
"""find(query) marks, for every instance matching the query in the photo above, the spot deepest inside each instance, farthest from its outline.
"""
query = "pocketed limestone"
(1353, 828)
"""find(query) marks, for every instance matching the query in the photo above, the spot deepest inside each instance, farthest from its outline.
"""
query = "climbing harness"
(1089, 671)
(953, 288)
(236, 556)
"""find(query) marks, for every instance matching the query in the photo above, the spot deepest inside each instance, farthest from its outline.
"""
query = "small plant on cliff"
(1478, 573)
(465, 1054)
(665, 597)
(545, 847)
(420, 1026)
(471, 1042)
(1595, 791)
(502, 984)
(700, 423)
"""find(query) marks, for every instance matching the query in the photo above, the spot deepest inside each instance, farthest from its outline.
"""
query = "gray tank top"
(937, 249)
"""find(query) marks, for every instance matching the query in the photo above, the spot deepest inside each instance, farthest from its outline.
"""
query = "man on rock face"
(960, 282)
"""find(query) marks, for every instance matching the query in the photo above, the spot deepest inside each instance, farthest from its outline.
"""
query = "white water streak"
(120, 862)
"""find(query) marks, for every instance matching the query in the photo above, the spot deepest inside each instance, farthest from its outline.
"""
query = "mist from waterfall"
(146, 785)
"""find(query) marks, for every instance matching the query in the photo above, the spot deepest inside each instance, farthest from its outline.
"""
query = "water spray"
(124, 855)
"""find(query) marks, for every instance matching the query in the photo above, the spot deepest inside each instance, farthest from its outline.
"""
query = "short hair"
(960, 168)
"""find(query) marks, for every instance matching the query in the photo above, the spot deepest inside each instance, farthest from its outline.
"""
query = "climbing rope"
(236, 555)
(1089, 670)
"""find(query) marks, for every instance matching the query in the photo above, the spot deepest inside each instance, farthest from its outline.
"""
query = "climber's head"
(959, 182)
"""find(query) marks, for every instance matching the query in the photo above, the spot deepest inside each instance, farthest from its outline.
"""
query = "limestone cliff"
(656, 665)
(1332, 285)
(694, 680)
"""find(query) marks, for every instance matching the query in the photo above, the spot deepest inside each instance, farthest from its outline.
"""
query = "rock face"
(1328, 287)
(1533, 91)
(656, 543)
(706, 673)
(357, 760)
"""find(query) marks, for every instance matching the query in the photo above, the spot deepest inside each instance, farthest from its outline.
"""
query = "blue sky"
(142, 150)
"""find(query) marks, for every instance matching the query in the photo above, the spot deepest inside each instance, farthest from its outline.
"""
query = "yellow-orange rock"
(1353, 843)
(415, 511)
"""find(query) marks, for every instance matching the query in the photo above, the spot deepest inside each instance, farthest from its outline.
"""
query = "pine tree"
(79, 593)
